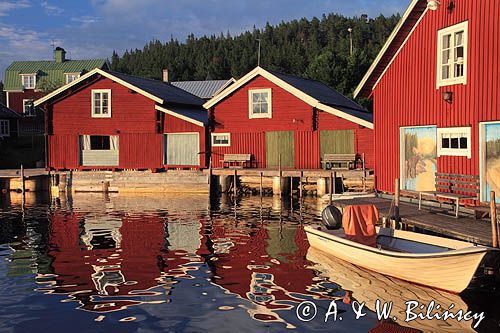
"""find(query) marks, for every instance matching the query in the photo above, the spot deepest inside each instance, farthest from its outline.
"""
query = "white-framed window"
(454, 141)
(28, 81)
(221, 139)
(260, 103)
(101, 103)
(70, 77)
(4, 128)
(28, 108)
(452, 55)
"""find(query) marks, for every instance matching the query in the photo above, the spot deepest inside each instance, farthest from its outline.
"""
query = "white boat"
(437, 262)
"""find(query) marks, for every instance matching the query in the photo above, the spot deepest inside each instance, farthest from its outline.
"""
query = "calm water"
(93, 263)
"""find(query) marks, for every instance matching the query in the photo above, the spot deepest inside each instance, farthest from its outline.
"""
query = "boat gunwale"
(474, 249)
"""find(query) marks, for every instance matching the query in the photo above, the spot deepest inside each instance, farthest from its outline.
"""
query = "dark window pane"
(445, 143)
(463, 143)
(99, 142)
(454, 143)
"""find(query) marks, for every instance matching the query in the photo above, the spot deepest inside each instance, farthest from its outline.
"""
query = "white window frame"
(24, 108)
(67, 75)
(454, 151)
(100, 115)
(2, 122)
(464, 26)
(269, 114)
(28, 75)
(223, 144)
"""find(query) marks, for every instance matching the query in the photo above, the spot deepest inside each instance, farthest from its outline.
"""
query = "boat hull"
(451, 271)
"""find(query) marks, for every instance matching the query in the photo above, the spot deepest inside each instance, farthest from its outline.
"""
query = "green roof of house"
(48, 71)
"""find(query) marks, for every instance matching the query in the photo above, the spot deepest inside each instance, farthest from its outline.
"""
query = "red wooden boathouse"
(268, 114)
(110, 120)
(435, 91)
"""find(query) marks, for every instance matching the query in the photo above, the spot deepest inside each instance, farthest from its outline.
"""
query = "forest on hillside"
(317, 49)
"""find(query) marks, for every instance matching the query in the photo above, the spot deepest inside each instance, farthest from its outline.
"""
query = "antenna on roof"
(53, 44)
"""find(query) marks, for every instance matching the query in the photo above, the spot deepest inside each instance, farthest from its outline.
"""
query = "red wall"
(289, 113)
(133, 119)
(16, 98)
(407, 94)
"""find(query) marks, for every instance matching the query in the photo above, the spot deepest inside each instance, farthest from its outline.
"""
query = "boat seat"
(359, 223)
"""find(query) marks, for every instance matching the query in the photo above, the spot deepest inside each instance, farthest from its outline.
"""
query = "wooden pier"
(31, 180)
(432, 219)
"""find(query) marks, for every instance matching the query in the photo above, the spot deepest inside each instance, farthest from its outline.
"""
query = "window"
(28, 108)
(100, 142)
(221, 139)
(4, 128)
(101, 103)
(452, 55)
(454, 141)
(70, 77)
(260, 103)
(28, 81)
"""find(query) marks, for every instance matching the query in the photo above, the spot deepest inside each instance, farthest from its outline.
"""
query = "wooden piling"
(396, 200)
(23, 185)
(291, 187)
(331, 188)
(279, 169)
(235, 184)
(494, 226)
(261, 187)
(300, 184)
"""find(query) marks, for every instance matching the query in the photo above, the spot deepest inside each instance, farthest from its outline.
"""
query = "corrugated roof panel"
(203, 89)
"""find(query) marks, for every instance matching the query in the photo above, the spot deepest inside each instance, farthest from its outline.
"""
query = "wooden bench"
(331, 160)
(237, 160)
(453, 187)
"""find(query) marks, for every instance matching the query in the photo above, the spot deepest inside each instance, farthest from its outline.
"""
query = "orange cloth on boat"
(359, 224)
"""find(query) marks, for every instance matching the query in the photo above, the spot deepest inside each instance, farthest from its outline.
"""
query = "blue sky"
(94, 28)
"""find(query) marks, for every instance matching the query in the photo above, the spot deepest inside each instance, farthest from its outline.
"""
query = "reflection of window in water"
(259, 291)
(101, 233)
(107, 276)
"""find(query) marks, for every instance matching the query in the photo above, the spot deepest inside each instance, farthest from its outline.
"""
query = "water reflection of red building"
(111, 262)
(264, 264)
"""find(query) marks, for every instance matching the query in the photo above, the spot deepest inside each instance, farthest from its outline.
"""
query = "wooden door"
(491, 161)
(337, 142)
(182, 149)
(280, 143)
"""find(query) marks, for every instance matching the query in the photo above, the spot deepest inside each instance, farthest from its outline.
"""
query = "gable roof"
(314, 93)
(190, 114)
(391, 48)
(204, 89)
(6, 113)
(48, 70)
(158, 91)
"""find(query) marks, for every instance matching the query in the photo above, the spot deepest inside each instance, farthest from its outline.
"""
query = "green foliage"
(47, 85)
(318, 49)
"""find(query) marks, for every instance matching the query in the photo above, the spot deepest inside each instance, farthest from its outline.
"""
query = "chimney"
(59, 54)
(165, 75)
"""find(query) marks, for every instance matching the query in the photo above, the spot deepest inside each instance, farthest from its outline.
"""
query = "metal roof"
(326, 95)
(203, 89)
(6, 113)
(164, 90)
(48, 70)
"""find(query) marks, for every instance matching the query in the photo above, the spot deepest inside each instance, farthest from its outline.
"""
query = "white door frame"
(482, 157)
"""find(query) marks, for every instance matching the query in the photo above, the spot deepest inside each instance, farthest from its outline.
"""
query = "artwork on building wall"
(492, 161)
(419, 158)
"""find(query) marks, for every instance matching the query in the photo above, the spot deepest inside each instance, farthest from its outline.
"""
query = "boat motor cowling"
(331, 217)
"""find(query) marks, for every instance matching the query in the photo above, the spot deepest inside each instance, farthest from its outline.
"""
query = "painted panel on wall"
(182, 149)
(280, 143)
(492, 162)
(419, 160)
(337, 142)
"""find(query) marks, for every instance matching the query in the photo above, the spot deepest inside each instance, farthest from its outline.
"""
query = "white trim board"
(291, 89)
(180, 116)
(103, 73)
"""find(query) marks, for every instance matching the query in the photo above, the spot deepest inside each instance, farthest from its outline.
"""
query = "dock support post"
(321, 186)
(300, 183)
(279, 170)
(235, 184)
(331, 187)
(396, 200)
(494, 226)
(23, 185)
(261, 187)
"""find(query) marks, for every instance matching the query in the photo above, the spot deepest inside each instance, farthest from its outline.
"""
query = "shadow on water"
(90, 262)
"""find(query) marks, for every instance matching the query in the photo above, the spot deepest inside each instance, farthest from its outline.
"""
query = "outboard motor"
(331, 217)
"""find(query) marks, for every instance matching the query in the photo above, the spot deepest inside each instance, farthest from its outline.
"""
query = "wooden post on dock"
(23, 185)
(300, 183)
(291, 187)
(235, 185)
(331, 188)
(494, 226)
(396, 200)
(261, 187)
(279, 171)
